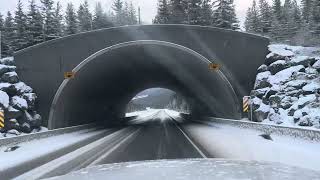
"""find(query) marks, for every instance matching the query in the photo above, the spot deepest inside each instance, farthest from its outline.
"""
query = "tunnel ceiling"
(106, 81)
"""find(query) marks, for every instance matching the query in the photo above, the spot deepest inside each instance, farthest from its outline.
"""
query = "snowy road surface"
(225, 141)
(30, 154)
(161, 134)
(159, 138)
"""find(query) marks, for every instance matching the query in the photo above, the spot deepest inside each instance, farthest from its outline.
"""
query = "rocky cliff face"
(17, 101)
(287, 87)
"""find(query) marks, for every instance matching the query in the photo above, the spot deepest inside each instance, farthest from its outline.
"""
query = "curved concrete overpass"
(113, 65)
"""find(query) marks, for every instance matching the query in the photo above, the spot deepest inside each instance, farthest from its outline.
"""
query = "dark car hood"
(193, 169)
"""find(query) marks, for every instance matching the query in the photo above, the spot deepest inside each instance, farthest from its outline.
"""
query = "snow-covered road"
(29, 154)
(225, 141)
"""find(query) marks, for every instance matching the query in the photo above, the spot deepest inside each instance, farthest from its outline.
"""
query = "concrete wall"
(42, 66)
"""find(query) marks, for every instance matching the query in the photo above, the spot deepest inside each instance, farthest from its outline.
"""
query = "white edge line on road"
(199, 151)
(113, 148)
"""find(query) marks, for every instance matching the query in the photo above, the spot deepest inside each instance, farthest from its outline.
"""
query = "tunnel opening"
(106, 81)
(156, 99)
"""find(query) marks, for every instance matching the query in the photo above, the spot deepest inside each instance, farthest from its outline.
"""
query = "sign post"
(1, 119)
(0, 46)
(246, 102)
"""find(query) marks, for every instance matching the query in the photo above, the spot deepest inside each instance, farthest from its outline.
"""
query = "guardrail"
(307, 134)
(41, 135)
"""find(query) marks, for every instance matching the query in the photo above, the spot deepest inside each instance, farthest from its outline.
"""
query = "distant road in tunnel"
(158, 138)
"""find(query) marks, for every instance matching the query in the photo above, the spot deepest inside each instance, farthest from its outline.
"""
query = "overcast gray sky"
(148, 7)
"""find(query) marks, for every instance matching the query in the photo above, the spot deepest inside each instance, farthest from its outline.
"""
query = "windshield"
(89, 84)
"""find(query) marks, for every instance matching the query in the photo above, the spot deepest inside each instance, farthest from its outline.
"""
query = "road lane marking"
(106, 154)
(195, 146)
(187, 137)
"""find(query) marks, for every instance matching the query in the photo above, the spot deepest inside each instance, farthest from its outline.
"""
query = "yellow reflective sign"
(69, 75)
(246, 103)
(1, 119)
(214, 66)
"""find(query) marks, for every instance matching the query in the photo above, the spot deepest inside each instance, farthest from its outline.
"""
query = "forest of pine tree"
(217, 13)
(286, 22)
(47, 20)
(283, 21)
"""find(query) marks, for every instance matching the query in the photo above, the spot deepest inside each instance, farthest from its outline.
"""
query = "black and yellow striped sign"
(1, 119)
(246, 100)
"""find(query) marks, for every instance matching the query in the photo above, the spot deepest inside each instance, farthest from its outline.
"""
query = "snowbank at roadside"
(287, 87)
(18, 102)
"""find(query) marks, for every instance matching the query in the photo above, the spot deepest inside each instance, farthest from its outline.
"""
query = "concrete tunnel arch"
(81, 100)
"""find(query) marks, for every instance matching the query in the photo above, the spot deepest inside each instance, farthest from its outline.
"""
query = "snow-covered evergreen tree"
(296, 14)
(265, 16)
(34, 24)
(307, 9)
(84, 17)
(2, 45)
(1, 22)
(289, 27)
(194, 12)
(100, 18)
(277, 9)
(20, 25)
(253, 22)
(276, 25)
(177, 12)
(118, 8)
(206, 13)
(163, 13)
(71, 20)
(58, 20)
(224, 15)
(125, 14)
(8, 35)
(132, 14)
(48, 17)
(316, 18)
(129, 14)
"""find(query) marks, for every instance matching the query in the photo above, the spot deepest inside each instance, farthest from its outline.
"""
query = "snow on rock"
(17, 100)
(296, 83)
(287, 87)
(262, 112)
(284, 75)
(5, 69)
(316, 65)
(277, 66)
(312, 87)
(303, 60)
(278, 53)
(7, 61)
(10, 77)
(19, 103)
(4, 99)
(23, 88)
(13, 113)
(262, 68)
(262, 80)
(30, 98)
(260, 92)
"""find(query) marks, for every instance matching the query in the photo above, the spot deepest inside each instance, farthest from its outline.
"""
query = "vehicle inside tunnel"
(105, 82)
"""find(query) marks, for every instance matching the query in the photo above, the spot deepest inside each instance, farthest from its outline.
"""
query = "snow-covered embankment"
(287, 87)
(18, 101)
